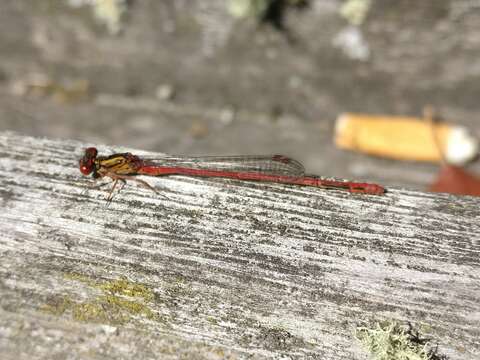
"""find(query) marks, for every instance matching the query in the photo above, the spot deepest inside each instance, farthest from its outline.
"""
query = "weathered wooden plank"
(223, 268)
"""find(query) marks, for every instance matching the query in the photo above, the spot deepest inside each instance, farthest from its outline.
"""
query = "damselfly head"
(87, 163)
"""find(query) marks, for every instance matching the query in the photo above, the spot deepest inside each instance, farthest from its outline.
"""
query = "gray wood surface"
(222, 268)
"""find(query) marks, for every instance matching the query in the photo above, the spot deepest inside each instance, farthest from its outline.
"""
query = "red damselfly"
(273, 168)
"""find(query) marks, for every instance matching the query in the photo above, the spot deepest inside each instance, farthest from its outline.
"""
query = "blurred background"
(239, 76)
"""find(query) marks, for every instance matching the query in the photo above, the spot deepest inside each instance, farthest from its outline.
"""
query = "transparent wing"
(269, 164)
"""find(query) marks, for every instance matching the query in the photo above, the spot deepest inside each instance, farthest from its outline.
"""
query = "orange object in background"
(405, 138)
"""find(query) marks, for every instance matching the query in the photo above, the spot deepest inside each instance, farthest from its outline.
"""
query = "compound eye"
(86, 167)
(91, 152)
(87, 163)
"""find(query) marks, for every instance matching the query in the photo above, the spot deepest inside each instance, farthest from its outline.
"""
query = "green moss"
(390, 341)
(123, 287)
(120, 302)
(110, 309)
(97, 312)
(120, 287)
(132, 307)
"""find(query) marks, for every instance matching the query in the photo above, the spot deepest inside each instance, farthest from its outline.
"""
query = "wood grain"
(235, 269)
